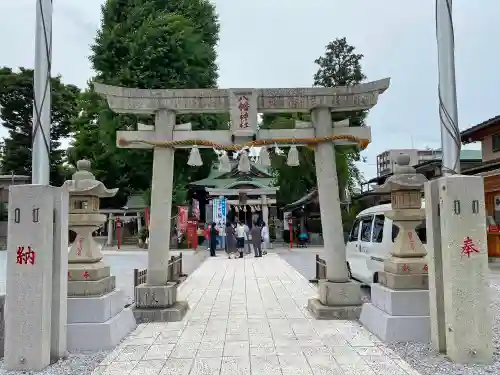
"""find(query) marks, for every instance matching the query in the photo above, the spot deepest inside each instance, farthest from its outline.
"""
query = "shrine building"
(251, 196)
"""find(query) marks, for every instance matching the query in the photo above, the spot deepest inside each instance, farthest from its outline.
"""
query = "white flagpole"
(448, 114)
(40, 162)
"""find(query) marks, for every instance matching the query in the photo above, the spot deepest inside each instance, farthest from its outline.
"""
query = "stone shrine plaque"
(243, 111)
(29, 277)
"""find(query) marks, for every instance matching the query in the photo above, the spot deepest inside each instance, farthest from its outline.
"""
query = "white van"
(370, 242)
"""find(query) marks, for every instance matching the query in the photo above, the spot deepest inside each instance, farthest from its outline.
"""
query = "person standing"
(248, 245)
(255, 232)
(266, 241)
(206, 233)
(240, 238)
(213, 239)
(230, 240)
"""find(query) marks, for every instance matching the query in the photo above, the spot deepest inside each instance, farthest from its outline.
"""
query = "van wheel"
(349, 273)
(375, 278)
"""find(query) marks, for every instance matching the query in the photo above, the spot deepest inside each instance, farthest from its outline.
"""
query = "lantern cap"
(405, 177)
(83, 182)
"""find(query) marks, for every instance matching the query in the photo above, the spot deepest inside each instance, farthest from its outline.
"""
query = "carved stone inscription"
(284, 101)
(243, 111)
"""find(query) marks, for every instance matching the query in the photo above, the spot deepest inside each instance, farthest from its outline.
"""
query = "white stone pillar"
(111, 228)
(161, 201)
(265, 210)
(28, 300)
(464, 315)
(328, 191)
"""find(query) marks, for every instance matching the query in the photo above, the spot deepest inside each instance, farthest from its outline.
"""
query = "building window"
(495, 141)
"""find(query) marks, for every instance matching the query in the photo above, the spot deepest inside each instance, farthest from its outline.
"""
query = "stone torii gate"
(156, 300)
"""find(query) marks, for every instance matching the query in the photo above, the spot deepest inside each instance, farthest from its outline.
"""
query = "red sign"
(426, 268)
(469, 247)
(182, 218)
(86, 275)
(191, 235)
(25, 257)
(146, 216)
(406, 268)
(290, 221)
(243, 106)
(79, 246)
(412, 242)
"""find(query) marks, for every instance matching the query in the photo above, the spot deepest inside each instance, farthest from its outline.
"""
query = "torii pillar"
(339, 297)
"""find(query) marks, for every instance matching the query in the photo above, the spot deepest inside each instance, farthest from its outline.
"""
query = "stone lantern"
(96, 318)
(399, 307)
(84, 217)
(407, 252)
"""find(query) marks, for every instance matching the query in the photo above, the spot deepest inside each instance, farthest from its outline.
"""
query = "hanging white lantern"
(293, 157)
(244, 163)
(224, 163)
(264, 158)
(195, 157)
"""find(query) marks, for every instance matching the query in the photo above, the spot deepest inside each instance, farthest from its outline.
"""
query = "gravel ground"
(75, 364)
(428, 362)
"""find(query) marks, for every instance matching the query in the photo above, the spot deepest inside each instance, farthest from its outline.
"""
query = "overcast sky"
(273, 43)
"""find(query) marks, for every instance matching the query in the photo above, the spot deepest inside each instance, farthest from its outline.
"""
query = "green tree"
(16, 103)
(340, 66)
(146, 44)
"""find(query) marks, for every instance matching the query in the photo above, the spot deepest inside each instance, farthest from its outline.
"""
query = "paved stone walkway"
(249, 317)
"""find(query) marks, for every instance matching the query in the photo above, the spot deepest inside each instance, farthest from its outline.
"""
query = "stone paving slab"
(248, 316)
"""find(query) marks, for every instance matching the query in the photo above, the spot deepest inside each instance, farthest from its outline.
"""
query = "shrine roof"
(259, 176)
(228, 183)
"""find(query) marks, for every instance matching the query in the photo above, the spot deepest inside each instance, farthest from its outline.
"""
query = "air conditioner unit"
(497, 203)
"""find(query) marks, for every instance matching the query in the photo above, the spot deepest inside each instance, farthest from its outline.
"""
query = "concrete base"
(400, 302)
(97, 309)
(155, 296)
(91, 288)
(98, 323)
(397, 315)
(395, 328)
(339, 294)
(100, 336)
(404, 282)
(323, 312)
(87, 271)
(174, 313)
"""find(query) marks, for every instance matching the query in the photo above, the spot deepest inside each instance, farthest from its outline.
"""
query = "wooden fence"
(174, 271)
(321, 269)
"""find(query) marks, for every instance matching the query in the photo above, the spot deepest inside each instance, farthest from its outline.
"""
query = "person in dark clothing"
(213, 239)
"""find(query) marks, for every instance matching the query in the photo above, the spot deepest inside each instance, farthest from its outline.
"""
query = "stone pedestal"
(397, 315)
(97, 319)
(336, 301)
(399, 308)
(158, 303)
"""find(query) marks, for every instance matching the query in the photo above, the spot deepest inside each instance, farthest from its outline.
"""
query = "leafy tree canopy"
(340, 66)
(146, 44)
(16, 112)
